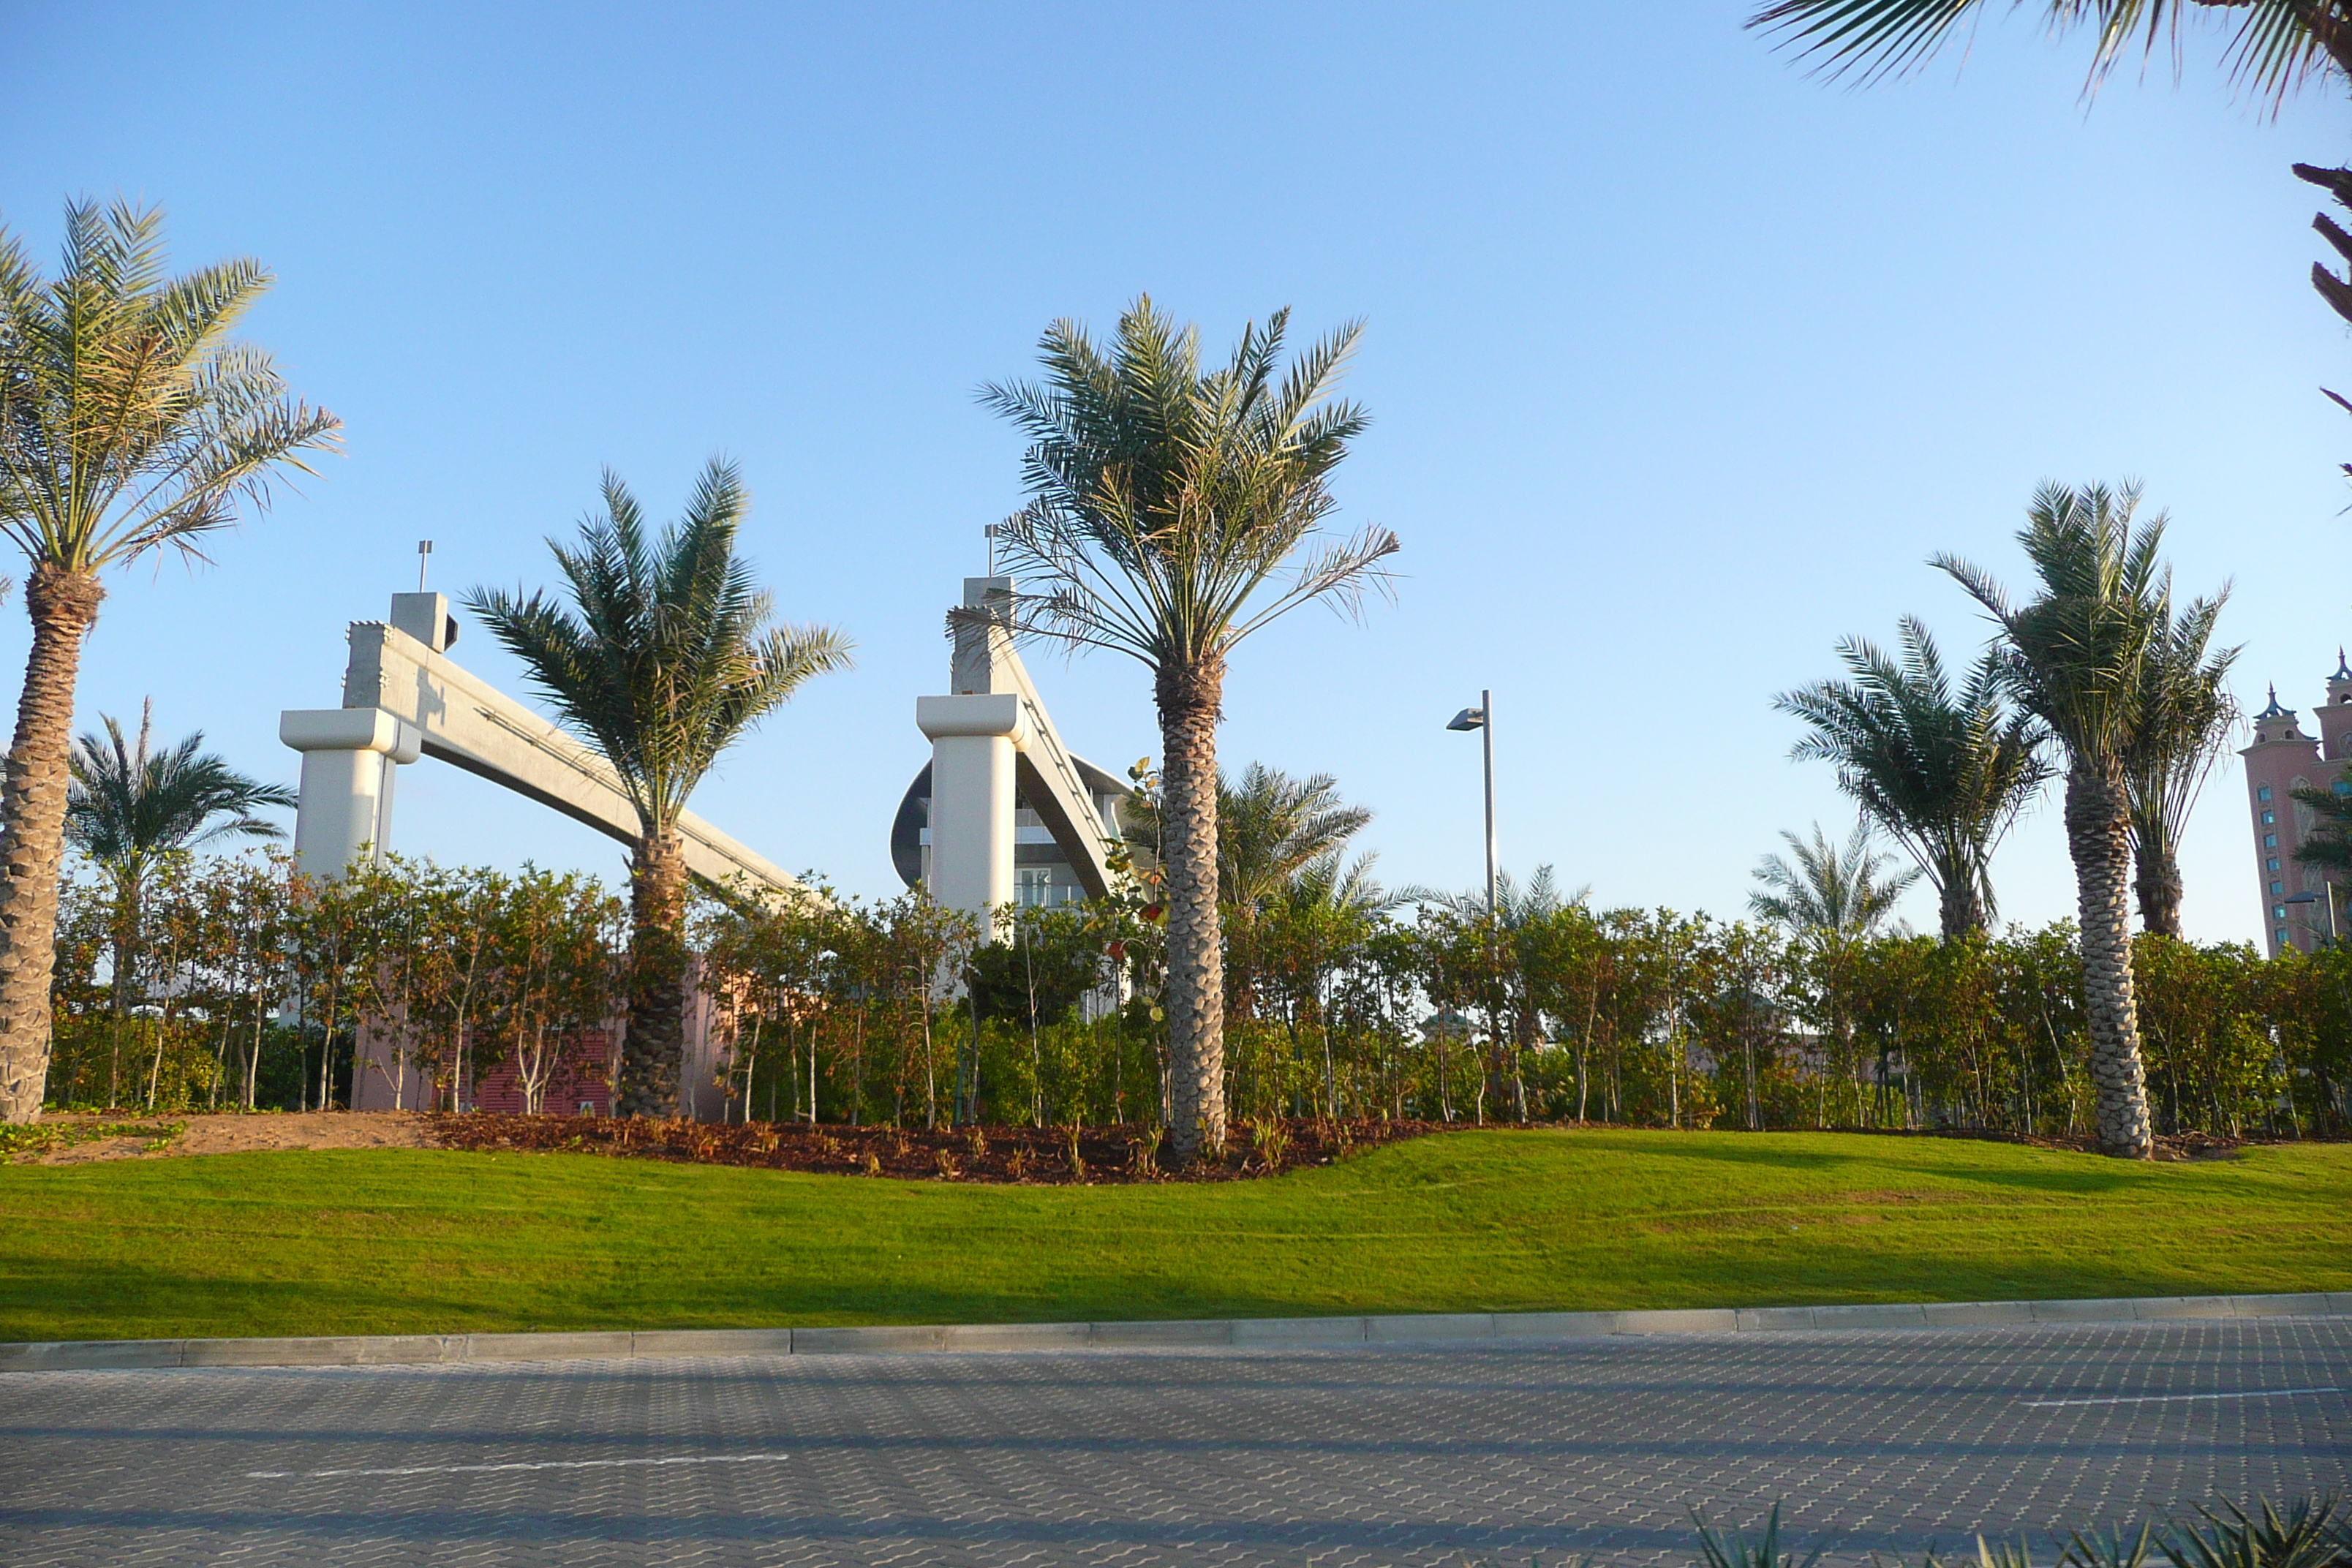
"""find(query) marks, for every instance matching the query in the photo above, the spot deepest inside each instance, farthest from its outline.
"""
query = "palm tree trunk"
(1960, 906)
(2159, 884)
(1189, 699)
(653, 1050)
(2098, 832)
(63, 605)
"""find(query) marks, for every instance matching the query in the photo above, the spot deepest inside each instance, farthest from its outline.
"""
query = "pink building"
(2299, 907)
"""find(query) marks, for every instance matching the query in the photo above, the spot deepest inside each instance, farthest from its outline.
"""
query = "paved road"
(1496, 1453)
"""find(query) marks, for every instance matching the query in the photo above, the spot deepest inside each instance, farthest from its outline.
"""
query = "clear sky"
(1681, 363)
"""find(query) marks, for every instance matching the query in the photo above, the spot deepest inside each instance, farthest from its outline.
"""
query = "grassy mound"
(430, 1241)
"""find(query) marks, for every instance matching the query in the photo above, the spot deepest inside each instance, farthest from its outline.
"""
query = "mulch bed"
(1031, 1155)
(1044, 1156)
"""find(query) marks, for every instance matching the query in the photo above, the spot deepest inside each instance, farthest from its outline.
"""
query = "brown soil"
(264, 1133)
(1026, 1154)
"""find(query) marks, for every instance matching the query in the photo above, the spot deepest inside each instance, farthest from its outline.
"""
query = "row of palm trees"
(2098, 672)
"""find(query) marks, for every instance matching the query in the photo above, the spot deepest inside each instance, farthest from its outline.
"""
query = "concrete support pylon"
(974, 741)
(349, 755)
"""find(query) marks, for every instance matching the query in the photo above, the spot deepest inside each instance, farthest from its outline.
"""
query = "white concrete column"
(348, 757)
(973, 741)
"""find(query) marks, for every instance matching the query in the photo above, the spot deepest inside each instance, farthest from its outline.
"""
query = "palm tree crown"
(129, 419)
(2187, 717)
(665, 656)
(1945, 772)
(1166, 502)
(1829, 891)
(129, 803)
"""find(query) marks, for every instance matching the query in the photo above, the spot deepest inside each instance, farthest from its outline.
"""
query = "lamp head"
(1469, 719)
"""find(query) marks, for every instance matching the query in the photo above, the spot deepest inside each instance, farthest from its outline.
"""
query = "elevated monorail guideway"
(403, 698)
(1006, 813)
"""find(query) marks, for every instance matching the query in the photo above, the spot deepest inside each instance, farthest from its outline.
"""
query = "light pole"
(2326, 895)
(1481, 719)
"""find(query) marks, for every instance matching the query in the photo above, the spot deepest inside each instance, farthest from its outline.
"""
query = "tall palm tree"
(2187, 719)
(2075, 656)
(1173, 511)
(127, 806)
(1944, 772)
(1829, 891)
(129, 420)
(664, 659)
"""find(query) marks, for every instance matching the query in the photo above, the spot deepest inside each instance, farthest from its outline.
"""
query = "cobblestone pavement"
(1500, 1453)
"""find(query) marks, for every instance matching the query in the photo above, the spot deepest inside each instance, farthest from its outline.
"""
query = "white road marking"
(2166, 1399)
(522, 1465)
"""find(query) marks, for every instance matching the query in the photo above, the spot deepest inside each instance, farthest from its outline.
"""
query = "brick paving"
(1500, 1453)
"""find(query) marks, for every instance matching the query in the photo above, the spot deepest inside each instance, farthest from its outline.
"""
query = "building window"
(2282, 936)
(2270, 840)
(2263, 793)
(2269, 818)
(2271, 864)
(2342, 786)
(2278, 912)
(1031, 884)
(2277, 888)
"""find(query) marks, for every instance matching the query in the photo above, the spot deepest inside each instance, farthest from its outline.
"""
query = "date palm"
(1827, 890)
(2075, 660)
(662, 659)
(1173, 511)
(130, 420)
(1944, 772)
(128, 805)
(2187, 719)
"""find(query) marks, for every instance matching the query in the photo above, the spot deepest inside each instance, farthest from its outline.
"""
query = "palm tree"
(1829, 891)
(1271, 827)
(128, 421)
(2186, 717)
(127, 806)
(663, 661)
(2074, 660)
(1167, 504)
(1944, 772)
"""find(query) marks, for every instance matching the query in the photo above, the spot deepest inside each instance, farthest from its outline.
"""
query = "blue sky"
(1681, 363)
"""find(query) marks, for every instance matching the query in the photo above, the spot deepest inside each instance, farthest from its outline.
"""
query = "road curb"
(427, 1350)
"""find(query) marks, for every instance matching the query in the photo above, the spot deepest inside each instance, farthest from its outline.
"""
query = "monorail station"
(1003, 814)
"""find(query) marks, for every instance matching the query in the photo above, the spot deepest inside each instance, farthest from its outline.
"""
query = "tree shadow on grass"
(2081, 1175)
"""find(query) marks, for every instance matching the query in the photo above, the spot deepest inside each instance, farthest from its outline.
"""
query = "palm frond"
(665, 654)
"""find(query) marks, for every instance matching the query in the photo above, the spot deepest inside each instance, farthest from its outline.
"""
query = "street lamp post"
(2327, 895)
(1481, 719)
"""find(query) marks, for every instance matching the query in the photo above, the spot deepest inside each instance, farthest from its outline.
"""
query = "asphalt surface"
(1493, 1453)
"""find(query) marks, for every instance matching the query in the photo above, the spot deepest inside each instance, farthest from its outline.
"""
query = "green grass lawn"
(407, 1241)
